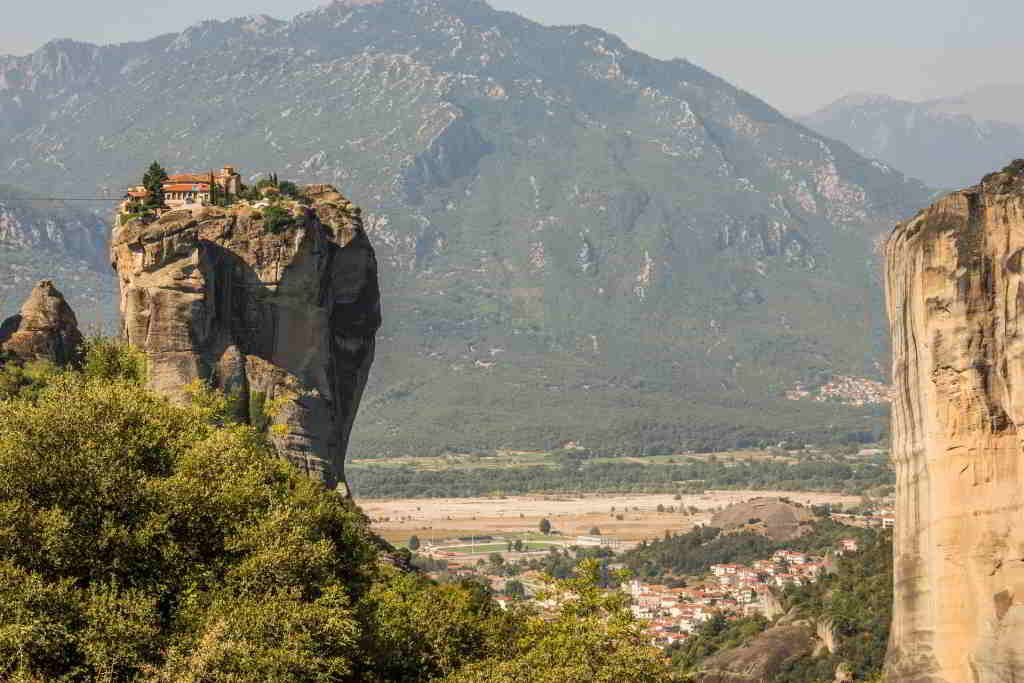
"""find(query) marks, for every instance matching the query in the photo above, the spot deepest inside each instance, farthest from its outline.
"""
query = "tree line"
(372, 481)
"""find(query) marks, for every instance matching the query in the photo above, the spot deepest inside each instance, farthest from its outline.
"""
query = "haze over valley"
(699, 256)
(418, 341)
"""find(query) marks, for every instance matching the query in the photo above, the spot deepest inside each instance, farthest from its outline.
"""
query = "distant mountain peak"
(946, 142)
(859, 100)
(549, 187)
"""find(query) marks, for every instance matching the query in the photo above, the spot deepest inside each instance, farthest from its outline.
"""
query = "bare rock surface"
(956, 306)
(45, 329)
(763, 659)
(280, 314)
(772, 517)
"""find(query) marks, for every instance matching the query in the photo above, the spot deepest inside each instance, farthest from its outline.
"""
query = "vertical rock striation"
(45, 329)
(279, 312)
(955, 291)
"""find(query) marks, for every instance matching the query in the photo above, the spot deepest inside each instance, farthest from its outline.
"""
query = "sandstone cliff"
(45, 329)
(956, 308)
(278, 309)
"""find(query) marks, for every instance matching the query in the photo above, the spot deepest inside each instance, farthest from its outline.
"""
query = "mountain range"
(59, 240)
(948, 143)
(578, 242)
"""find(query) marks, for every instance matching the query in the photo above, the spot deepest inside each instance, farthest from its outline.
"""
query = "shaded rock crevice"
(284, 321)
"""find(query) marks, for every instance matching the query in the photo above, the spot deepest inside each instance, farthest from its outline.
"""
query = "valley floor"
(628, 518)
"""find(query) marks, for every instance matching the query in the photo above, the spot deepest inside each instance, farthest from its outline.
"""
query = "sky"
(798, 55)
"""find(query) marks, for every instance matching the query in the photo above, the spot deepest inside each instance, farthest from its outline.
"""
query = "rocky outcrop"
(763, 659)
(772, 517)
(277, 308)
(955, 282)
(45, 329)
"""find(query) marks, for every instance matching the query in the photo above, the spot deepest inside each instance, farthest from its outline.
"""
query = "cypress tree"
(153, 181)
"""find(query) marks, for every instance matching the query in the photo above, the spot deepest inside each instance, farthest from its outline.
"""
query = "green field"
(485, 548)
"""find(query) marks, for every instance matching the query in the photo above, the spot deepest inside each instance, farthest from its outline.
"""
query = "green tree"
(288, 188)
(545, 526)
(414, 543)
(418, 630)
(277, 218)
(153, 180)
(109, 360)
(131, 528)
(144, 540)
(591, 637)
(515, 588)
(215, 194)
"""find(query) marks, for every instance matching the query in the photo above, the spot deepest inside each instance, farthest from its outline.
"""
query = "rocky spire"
(278, 307)
(45, 329)
(955, 286)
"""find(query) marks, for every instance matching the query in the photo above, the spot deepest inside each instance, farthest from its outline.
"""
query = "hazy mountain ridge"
(40, 240)
(550, 207)
(946, 143)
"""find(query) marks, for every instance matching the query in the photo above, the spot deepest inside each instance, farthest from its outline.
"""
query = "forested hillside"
(578, 242)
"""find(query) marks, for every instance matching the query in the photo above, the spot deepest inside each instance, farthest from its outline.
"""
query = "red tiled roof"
(186, 187)
(189, 178)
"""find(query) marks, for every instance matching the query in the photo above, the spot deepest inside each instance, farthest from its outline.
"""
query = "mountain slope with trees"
(942, 142)
(54, 240)
(576, 239)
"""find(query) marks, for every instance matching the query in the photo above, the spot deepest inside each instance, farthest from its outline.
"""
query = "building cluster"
(853, 391)
(880, 519)
(190, 190)
(732, 590)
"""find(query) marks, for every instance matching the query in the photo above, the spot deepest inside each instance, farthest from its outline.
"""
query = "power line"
(59, 199)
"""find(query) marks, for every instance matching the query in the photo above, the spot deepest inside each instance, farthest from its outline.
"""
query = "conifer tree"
(153, 181)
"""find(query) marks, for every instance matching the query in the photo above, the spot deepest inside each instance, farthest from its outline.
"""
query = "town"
(732, 590)
(670, 611)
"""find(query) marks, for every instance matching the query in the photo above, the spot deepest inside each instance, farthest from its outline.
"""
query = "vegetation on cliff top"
(140, 540)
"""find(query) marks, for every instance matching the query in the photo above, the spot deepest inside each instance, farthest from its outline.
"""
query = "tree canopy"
(146, 541)
(153, 180)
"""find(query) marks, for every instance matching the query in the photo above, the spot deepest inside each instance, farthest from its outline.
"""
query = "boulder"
(45, 329)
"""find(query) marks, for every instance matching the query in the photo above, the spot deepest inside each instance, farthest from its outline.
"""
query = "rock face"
(772, 517)
(280, 314)
(956, 308)
(763, 659)
(45, 329)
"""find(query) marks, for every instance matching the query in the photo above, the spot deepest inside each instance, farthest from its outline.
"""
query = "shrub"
(277, 218)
